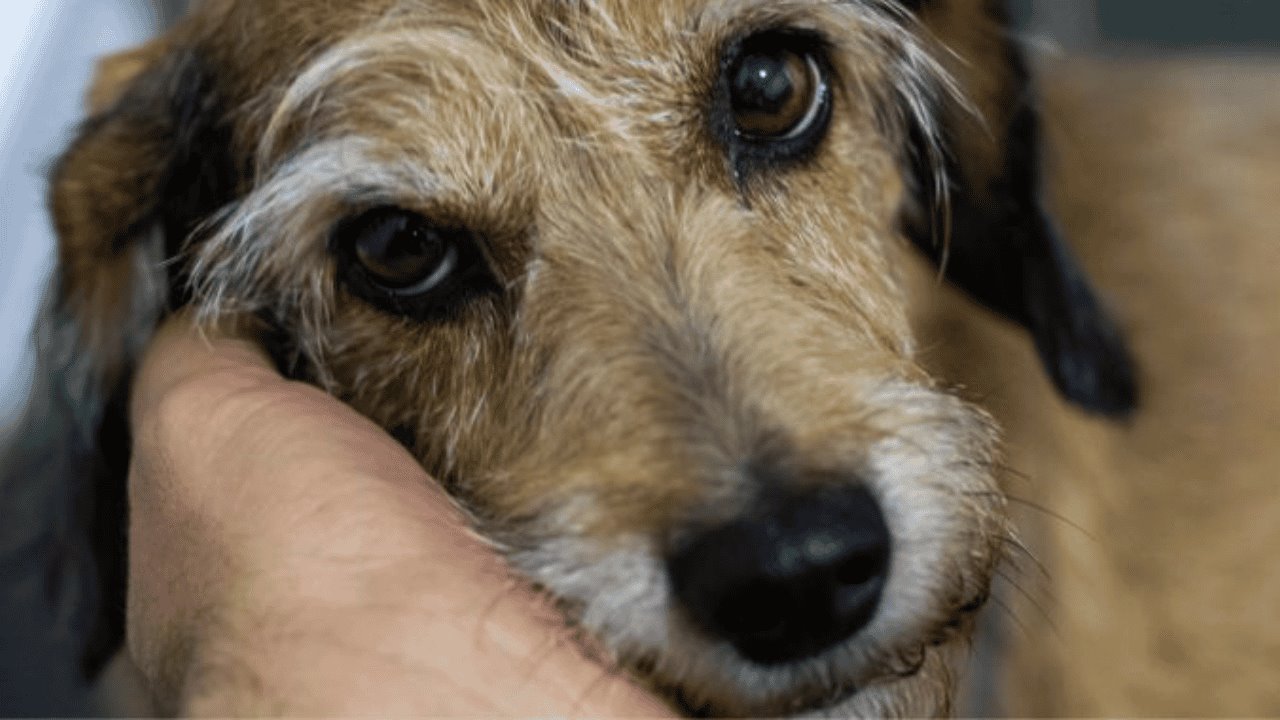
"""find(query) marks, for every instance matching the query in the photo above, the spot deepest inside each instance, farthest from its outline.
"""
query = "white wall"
(47, 52)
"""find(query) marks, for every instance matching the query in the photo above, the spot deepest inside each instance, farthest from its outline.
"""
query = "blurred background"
(48, 47)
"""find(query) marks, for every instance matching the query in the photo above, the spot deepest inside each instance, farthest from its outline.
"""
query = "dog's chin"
(925, 691)
(921, 687)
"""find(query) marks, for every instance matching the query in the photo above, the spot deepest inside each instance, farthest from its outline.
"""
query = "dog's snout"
(793, 578)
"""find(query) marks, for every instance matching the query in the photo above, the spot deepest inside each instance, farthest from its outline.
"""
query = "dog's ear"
(151, 163)
(992, 235)
(114, 74)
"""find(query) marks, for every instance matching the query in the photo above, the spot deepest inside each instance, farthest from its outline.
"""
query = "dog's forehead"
(265, 41)
(626, 69)
(476, 84)
(296, 20)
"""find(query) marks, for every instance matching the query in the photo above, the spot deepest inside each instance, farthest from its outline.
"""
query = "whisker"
(1030, 598)
(1008, 612)
(1015, 543)
(1037, 507)
(1012, 472)
(1053, 514)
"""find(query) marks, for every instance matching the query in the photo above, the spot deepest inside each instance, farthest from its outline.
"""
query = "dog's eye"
(402, 262)
(401, 252)
(775, 98)
(774, 93)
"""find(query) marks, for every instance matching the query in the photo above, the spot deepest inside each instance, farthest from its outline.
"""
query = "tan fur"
(664, 328)
(115, 73)
(654, 346)
(1157, 537)
(664, 331)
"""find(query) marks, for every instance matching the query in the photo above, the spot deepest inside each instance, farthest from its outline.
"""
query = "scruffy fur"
(667, 328)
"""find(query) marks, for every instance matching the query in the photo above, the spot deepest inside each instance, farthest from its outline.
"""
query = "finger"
(181, 351)
(278, 532)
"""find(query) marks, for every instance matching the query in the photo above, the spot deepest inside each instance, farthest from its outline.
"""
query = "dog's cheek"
(442, 389)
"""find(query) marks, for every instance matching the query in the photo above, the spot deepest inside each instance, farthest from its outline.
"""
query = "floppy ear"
(1003, 248)
(152, 161)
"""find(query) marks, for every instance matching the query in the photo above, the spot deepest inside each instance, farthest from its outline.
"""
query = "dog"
(625, 277)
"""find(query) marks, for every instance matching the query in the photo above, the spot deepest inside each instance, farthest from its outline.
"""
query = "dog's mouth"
(813, 702)
(841, 693)
(809, 701)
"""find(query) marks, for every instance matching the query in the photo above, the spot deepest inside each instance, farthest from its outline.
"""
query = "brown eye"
(405, 264)
(773, 100)
(775, 92)
(400, 251)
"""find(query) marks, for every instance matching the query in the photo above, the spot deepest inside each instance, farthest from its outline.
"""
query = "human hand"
(288, 557)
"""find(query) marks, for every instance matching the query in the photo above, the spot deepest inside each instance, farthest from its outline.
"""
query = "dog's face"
(622, 275)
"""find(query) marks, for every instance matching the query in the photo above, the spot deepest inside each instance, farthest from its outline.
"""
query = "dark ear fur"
(1004, 248)
(141, 174)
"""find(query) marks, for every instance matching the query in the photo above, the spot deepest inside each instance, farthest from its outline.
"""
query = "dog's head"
(622, 275)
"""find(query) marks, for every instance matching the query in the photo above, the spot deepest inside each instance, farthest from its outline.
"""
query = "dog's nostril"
(794, 578)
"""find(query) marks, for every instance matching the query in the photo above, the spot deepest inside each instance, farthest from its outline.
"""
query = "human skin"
(289, 557)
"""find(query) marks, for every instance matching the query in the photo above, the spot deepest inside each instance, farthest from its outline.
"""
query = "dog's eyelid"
(801, 38)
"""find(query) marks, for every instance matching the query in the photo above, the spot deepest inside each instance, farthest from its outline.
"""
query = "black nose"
(794, 578)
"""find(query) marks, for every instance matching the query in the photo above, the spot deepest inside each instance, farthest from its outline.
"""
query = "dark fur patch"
(282, 348)
(1006, 252)
(202, 175)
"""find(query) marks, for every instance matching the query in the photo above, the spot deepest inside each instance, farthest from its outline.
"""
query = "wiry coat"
(674, 333)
